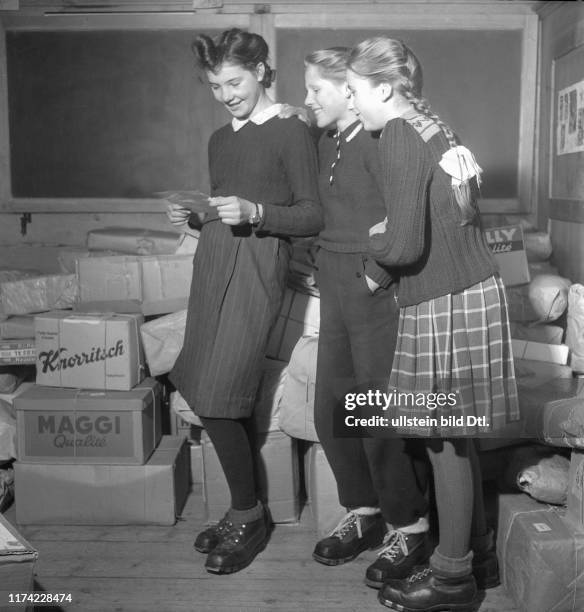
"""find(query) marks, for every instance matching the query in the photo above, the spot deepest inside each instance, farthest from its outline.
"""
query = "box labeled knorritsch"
(57, 425)
(88, 351)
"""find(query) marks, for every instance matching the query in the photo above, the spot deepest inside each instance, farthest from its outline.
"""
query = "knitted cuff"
(451, 567)
(239, 517)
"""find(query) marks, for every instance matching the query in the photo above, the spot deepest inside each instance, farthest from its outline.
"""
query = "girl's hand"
(233, 210)
(373, 286)
(294, 111)
(178, 215)
(379, 228)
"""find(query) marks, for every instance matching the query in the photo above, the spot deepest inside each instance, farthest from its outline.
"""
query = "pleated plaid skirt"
(457, 345)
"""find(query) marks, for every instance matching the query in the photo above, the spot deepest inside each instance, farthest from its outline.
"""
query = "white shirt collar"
(258, 118)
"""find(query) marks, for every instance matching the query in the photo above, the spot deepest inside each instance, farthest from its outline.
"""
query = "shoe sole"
(332, 562)
(203, 549)
(236, 568)
(470, 607)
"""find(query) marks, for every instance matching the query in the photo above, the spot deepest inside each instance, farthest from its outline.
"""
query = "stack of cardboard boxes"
(89, 432)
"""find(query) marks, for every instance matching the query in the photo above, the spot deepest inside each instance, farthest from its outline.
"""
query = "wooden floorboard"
(150, 568)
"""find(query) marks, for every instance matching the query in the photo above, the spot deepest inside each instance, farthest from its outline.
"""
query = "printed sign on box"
(56, 425)
(89, 351)
(17, 352)
(508, 248)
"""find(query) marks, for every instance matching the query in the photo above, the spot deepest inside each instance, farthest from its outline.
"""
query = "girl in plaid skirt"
(452, 374)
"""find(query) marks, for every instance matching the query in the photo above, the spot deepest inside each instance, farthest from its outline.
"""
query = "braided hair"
(386, 60)
(234, 46)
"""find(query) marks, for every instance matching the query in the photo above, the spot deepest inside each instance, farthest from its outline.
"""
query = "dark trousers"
(357, 340)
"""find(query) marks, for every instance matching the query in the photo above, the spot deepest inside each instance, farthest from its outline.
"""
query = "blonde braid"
(463, 192)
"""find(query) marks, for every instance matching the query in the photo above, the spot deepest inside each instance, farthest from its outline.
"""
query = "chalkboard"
(472, 79)
(107, 114)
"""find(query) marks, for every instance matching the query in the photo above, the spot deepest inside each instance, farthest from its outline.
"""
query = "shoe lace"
(232, 534)
(394, 542)
(346, 524)
(223, 525)
(420, 574)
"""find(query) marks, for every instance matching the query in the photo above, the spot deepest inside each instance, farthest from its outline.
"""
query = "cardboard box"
(18, 326)
(548, 334)
(541, 556)
(278, 474)
(17, 561)
(539, 351)
(150, 494)
(163, 340)
(150, 284)
(553, 413)
(508, 248)
(38, 294)
(91, 351)
(323, 497)
(136, 241)
(196, 463)
(17, 352)
(58, 425)
(299, 316)
(575, 510)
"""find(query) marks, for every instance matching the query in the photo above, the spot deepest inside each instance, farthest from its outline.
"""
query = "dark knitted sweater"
(274, 164)
(354, 202)
(435, 253)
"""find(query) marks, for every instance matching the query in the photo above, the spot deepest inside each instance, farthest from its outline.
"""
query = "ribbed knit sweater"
(354, 201)
(436, 254)
(274, 164)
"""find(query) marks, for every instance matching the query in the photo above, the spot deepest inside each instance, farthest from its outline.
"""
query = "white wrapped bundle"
(39, 294)
(575, 329)
(163, 339)
(548, 295)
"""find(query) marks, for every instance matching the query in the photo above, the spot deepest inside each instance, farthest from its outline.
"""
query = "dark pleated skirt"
(236, 294)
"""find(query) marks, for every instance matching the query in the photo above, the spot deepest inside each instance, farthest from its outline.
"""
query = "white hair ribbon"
(460, 164)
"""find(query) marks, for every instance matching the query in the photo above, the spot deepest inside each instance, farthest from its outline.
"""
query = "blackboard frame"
(269, 23)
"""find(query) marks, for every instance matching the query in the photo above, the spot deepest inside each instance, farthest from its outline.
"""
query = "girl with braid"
(453, 334)
(263, 175)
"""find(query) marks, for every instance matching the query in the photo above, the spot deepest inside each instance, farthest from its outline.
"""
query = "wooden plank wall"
(562, 29)
(49, 230)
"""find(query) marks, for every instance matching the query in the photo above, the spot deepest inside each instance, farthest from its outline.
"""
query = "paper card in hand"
(195, 201)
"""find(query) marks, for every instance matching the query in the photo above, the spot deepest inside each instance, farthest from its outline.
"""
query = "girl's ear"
(260, 71)
(385, 91)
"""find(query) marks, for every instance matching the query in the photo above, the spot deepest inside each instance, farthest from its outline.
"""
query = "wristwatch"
(256, 217)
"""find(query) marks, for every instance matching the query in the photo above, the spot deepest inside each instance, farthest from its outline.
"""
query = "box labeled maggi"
(88, 351)
(87, 426)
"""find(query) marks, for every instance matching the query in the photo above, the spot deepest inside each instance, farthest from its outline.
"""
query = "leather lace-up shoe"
(423, 591)
(401, 552)
(239, 545)
(354, 534)
(207, 540)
